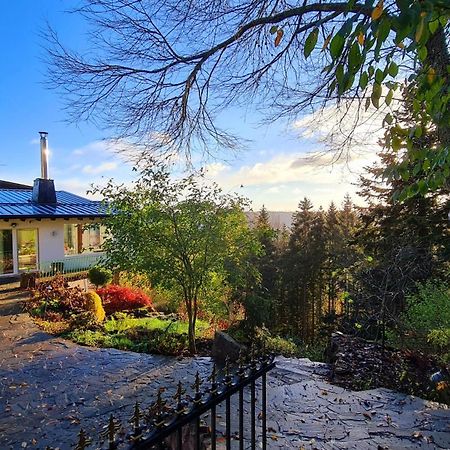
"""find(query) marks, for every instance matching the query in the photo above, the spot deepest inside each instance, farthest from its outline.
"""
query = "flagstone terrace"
(49, 387)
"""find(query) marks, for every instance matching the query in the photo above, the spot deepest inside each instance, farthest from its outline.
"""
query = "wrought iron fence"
(70, 264)
(190, 421)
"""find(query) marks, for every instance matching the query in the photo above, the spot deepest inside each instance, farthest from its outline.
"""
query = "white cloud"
(275, 189)
(73, 185)
(348, 128)
(101, 168)
(214, 169)
(92, 148)
(316, 168)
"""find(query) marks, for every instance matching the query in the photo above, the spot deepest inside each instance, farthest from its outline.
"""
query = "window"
(27, 249)
(6, 252)
(83, 239)
(71, 239)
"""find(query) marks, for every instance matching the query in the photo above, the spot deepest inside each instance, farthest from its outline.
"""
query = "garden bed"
(124, 318)
(358, 364)
(157, 335)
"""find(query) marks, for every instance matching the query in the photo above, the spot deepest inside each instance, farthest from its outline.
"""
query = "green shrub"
(93, 338)
(94, 305)
(84, 321)
(314, 351)
(426, 322)
(275, 344)
(257, 311)
(166, 300)
(99, 276)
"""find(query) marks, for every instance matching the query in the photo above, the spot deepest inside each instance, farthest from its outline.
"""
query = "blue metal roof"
(17, 204)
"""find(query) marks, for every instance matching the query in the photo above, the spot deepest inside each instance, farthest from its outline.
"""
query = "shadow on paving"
(11, 302)
(49, 387)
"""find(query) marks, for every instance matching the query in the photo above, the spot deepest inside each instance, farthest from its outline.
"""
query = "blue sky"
(270, 169)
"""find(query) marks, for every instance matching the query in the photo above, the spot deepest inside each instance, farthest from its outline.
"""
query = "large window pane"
(27, 249)
(93, 238)
(6, 253)
(70, 239)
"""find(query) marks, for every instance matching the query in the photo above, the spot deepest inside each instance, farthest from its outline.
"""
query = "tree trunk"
(191, 312)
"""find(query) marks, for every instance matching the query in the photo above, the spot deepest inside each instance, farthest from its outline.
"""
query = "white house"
(46, 230)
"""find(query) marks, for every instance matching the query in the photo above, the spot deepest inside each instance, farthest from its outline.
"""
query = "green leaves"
(389, 96)
(393, 69)
(379, 76)
(363, 80)
(339, 74)
(273, 29)
(354, 58)
(433, 26)
(422, 53)
(310, 42)
(376, 95)
(336, 46)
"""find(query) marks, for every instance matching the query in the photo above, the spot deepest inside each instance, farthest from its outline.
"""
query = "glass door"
(27, 249)
(6, 252)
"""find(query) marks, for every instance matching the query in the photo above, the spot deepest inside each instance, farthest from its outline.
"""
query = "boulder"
(224, 345)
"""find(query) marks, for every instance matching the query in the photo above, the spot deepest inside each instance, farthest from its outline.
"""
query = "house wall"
(50, 236)
(51, 240)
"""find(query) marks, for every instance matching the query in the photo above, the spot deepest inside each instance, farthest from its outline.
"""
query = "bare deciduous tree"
(161, 71)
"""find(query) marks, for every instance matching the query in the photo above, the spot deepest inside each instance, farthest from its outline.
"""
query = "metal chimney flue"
(44, 155)
(43, 188)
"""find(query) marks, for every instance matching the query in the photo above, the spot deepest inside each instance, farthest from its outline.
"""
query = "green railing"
(70, 264)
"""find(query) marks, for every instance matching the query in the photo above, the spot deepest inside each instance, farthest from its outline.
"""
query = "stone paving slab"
(49, 387)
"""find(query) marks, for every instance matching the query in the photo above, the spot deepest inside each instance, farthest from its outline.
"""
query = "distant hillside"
(278, 219)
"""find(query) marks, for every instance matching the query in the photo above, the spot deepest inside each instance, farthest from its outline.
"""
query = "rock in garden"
(224, 345)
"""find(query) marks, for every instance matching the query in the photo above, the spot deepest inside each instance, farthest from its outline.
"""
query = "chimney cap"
(43, 133)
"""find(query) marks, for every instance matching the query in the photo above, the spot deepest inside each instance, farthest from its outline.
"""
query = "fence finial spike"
(227, 366)
(157, 410)
(83, 440)
(181, 407)
(197, 383)
(241, 361)
(135, 420)
(110, 431)
(196, 386)
(228, 378)
(253, 356)
(213, 379)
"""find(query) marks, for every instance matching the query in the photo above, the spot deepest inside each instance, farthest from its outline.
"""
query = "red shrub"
(223, 324)
(121, 298)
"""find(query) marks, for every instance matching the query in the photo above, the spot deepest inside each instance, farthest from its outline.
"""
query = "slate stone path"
(48, 387)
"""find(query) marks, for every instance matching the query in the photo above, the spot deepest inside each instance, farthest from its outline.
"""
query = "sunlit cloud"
(73, 185)
(101, 168)
(276, 189)
(349, 128)
(214, 169)
(92, 148)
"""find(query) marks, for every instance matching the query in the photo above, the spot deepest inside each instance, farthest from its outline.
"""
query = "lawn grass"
(147, 335)
(152, 323)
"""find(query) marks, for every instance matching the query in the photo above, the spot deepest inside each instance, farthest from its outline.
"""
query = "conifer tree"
(405, 241)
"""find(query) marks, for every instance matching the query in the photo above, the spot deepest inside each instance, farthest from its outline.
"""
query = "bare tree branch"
(161, 71)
